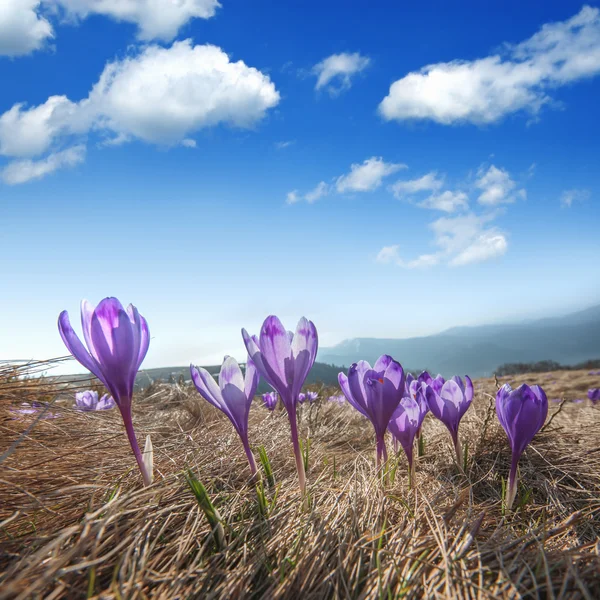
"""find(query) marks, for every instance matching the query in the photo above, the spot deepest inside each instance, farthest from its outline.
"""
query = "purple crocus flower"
(270, 399)
(522, 413)
(375, 393)
(578, 401)
(233, 396)
(89, 401)
(284, 359)
(594, 395)
(449, 405)
(404, 424)
(34, 408)
(436, 383)
(338, 398)
(310, 396)
(117, 341)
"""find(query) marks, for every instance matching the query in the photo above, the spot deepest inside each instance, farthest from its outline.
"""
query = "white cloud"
(321, 190)
(447, 201)
(569, 196)
(31, 131)
(367, 176)
(486, 246)
(461, 240)
(429, 182)
(163, 94)
(485, 90)
(497, 187)
(159, 95)
(339, 68)
(391, 254)
(20, 171)
(22, 28)
(188, 143)
(293, 197)
(286, 144)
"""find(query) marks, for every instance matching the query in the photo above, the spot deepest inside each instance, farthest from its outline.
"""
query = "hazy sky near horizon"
(385, 169)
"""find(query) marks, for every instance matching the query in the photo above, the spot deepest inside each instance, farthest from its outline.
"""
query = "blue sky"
(385, 169)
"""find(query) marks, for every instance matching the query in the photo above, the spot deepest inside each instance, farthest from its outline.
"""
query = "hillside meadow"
(75, 521)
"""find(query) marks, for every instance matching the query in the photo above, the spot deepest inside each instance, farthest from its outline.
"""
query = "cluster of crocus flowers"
(594, 395)
(308, 396)
(375, 393)
(233, 395)
(284, 359)
(117, 341)
(270, 400)
(88, 401)
(522, 413)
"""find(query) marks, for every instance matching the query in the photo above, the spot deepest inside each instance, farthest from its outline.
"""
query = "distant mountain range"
(478, 351)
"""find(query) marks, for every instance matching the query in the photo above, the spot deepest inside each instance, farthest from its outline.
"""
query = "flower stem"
(511, 492)
(459, 452)
(135, 447)
(411, 468)
(250, 456)
(297, 453)
(381, 452)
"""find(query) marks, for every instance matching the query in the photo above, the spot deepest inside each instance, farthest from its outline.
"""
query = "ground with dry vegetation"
(75, 521)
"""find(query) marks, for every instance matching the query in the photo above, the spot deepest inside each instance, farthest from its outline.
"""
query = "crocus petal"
(237, 407)
(114, 344)
(265, 370)
(451, 396)
(77, 349)
(87, 310)
(437, 384)
(251, 379)
(356, 382)
(394, 373)
(425, 377)
(144, 341)
(345, 387)
(231, 374)
(207, 387)
(304, 348)
(382, 363)
(275, 347)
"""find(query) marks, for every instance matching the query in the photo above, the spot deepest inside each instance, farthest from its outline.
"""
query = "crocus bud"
(522, 413)
(232, 396)
(375, 393)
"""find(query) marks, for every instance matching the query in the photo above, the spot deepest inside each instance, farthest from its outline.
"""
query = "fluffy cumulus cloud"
(22, 28)
(460, 240)
(568, 197)
(335, 73)
(24, 24)
(429, 189)
(409, 187)
(485, 90)
(497, 187)
(20, 171)
(367, 176)
(158, 95)
(363, 177)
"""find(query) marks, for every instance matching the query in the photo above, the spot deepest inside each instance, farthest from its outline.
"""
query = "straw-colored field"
(75, 521)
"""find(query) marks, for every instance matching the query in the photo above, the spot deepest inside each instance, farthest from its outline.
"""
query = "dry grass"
(75, 521)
